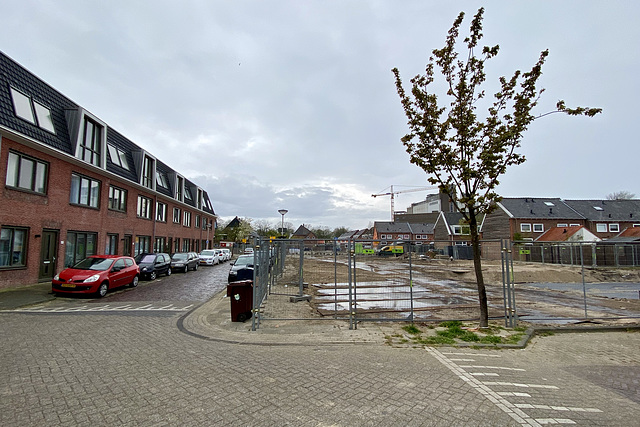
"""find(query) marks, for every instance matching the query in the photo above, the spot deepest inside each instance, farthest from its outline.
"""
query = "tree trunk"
(477, 264)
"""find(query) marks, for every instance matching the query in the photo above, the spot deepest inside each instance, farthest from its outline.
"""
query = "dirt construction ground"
(455, 281)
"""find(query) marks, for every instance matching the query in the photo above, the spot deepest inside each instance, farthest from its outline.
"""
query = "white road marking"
(555, 408)
(552, 387)
(507, 407)
(545, 421)
(102, 308)
(491, 367)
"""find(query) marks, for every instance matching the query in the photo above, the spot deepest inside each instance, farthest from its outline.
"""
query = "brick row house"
(530, 218)
(75, 186)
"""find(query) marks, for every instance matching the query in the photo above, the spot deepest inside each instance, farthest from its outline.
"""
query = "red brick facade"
(53, 212)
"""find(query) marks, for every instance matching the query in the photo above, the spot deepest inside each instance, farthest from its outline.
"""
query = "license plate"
(67, 285)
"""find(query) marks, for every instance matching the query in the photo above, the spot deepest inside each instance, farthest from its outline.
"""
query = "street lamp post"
(282, 212)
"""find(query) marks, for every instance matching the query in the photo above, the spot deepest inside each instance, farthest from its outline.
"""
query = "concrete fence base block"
(300, 298)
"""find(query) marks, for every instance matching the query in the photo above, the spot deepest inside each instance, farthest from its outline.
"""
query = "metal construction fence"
(365, 280)
(592, 254)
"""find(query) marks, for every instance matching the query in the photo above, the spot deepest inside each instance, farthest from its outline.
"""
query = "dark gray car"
(185, 261)
(153, 264)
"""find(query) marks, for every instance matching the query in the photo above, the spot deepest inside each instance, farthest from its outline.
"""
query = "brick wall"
(53, 211)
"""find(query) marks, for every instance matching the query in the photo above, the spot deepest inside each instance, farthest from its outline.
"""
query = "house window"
(176, 215)
(112, 245)
(614, 228)
(13, 247)
(91, 146)
(159, 244)
(461, 229)
(187, 219)
(180, 188)
(79, 246)
(117, 199)
(30, 110)
(177, 245)
(118, 157)
(84, 191)
(199, 199)
(142, 245)
(197, 224)
(562, 225)
(161, 212)
(187, 194)
(144, 207)
(185, 245)
(161, 180)
(601, 228)
(525, 228)
(538, 228)
(26, 173)
(147, 172)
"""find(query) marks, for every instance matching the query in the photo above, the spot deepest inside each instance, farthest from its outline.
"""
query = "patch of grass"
(411, 329)
(451, 324)
(513, 339)
(491, 339)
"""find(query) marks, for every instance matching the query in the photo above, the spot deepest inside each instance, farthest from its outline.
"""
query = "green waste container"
(241, 299)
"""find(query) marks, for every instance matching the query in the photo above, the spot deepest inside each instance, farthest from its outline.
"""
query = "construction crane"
(393, 193)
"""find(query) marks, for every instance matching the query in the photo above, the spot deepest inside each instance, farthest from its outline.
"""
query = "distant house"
(388, 232)
(607, 218)
(303, 233)
(628, 235)
(527, 218)
(577, 233)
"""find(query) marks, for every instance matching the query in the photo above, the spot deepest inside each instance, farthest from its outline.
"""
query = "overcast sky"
(291, 104)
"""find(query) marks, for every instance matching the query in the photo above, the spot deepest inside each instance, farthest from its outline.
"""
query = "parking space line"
(555, 408)
(552, 387)
(504, 368)
(507, 407)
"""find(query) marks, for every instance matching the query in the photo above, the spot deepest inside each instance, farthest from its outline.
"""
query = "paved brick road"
(139, 369)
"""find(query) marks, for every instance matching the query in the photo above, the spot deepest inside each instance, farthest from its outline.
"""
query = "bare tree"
(621, 195)
(461, 153)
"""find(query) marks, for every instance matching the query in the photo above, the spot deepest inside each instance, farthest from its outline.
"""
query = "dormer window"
(118, 157)
(199, 199)
(32, 111)
(161, 180)
(187, 194)
(179, 188)
(148, 169)
(91, 143)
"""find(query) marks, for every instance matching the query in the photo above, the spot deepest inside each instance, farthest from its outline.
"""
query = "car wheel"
(134, 282)
(169, 271)
(103, 289)
(153, 275)
(195, 267)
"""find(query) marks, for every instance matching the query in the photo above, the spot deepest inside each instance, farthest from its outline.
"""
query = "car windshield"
(244, 260)
(207, 253)
(148, 259)
(179, 257)
(98, 264)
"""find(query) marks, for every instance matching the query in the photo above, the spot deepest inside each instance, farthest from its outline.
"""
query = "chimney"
(550, 211)
(565, 230)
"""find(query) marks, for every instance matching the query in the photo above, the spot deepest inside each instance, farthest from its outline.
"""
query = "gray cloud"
(289, 104)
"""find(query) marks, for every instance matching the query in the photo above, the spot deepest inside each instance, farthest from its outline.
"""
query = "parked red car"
(97, 274)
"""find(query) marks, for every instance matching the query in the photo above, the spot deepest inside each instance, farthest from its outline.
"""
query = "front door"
(48, 254)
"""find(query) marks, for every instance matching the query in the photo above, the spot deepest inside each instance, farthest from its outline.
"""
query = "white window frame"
(145, 207)
(601, 228)
(161, 212)
(538, 228)
(176, 215)
(186, 221)
(117, 156)
(525, 228)
(614, 228)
